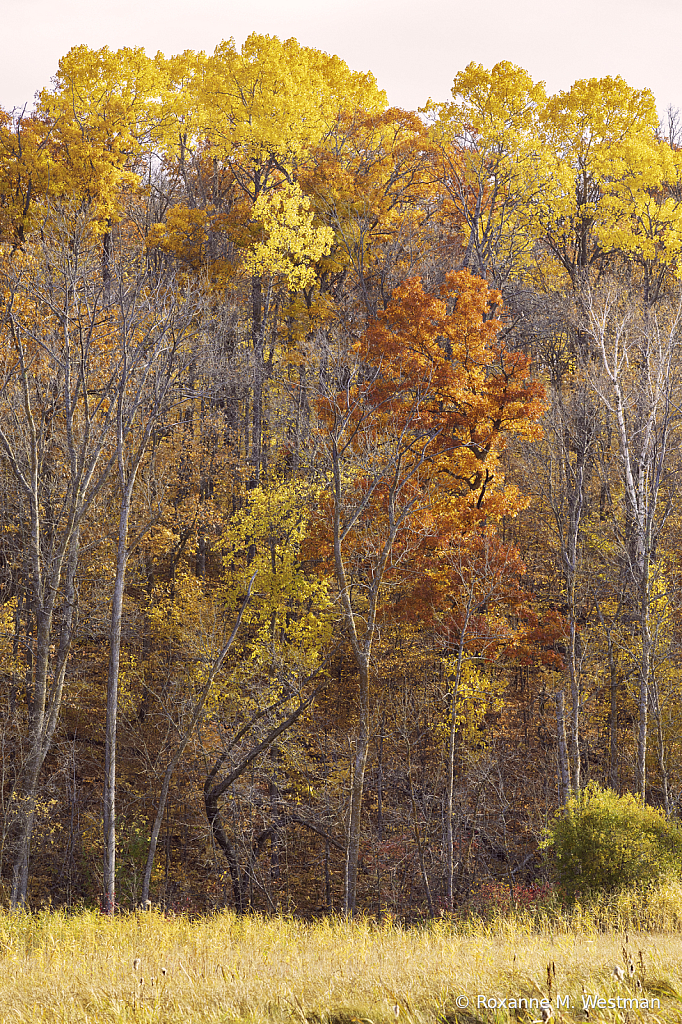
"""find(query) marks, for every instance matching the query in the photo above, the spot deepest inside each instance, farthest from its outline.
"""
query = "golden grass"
(144, 967)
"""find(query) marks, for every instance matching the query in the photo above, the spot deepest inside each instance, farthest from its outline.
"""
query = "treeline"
(339, 452)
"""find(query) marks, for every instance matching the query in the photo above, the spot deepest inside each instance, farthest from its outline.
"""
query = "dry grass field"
(145, 967)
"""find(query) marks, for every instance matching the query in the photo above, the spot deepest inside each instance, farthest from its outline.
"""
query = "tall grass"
(58, 967)
(657, 909)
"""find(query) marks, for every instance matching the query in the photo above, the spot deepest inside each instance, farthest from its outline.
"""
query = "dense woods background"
(339, 454)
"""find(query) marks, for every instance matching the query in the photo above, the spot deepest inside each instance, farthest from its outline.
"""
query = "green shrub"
(604, 842)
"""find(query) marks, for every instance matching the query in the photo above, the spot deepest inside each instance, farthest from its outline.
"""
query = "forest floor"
(82, 967)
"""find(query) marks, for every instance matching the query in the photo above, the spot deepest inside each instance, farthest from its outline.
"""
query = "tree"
(593, 130)
(561, 467)
(491, 165)
(59, 377)
(411, 429)
(480, 617)
(263, 113)
(286, 629)
(369, 183)
(638, 350)
(152, 331)
(194, 719)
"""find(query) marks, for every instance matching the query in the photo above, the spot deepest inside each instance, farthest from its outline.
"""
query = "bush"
(604, 842)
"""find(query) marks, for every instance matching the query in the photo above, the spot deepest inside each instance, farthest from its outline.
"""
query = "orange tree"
(410, 429)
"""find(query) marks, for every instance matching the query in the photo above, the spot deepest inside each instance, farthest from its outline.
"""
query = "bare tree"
(638, 348)
(562, 464)
(244, 749)
(59, 369)
(153, 326)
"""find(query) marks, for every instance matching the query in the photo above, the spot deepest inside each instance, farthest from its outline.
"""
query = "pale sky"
(414, 49)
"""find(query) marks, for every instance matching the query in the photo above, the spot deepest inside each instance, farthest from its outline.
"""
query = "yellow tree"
(89, 141)
(491, 165)
(593, 130)
(25, 173)
(646, 227)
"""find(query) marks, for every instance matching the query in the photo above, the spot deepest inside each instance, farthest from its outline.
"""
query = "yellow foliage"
(292, 244)
(101, 115)
(8, 610)
(494, 163)
(478, 694)
(271, 102)
(289, 618)
(612, 179)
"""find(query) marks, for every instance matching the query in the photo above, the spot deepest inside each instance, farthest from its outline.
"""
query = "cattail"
(631, 969)
(545, 1013)
(164, 971)
(136, 963)
(618, 973)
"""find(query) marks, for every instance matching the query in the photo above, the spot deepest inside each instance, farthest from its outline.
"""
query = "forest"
(339, 456)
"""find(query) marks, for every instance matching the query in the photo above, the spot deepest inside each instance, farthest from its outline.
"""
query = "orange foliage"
(433, 401)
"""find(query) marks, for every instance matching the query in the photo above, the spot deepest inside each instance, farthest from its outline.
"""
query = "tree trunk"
(109, 802)
(450, 769)
(215, 821)
(258, 321)
(356, 794)
(106, 263)
(44, 709)
(574, 676)
(562, 752)
(417, 835)
(640, 779)
(661, 751)
(213, 792)
(613, 718)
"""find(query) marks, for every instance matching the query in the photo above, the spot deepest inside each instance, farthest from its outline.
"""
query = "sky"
(413, 48)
